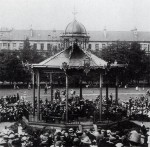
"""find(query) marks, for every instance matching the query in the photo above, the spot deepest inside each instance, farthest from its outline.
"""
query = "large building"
(44, 40)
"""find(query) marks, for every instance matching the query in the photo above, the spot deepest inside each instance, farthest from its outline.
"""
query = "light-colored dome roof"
(75, 28)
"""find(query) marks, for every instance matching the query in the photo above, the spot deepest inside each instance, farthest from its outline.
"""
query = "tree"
(137, 62)
(29, 54)
(126, 53)
(11, 67)
(26, 51)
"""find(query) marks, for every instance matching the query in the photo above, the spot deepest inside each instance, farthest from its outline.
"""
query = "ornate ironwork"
(64, 66)
(87, 65)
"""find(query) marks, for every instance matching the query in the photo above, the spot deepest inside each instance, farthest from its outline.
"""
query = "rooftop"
(45, 35)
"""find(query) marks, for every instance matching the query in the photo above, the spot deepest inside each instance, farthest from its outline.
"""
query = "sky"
(95, 15)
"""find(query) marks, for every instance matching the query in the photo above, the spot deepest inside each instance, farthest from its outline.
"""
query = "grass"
(90, 93)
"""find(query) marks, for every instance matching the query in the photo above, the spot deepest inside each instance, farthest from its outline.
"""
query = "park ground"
(88, 93)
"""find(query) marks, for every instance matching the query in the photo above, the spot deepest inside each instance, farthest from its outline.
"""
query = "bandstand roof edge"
(74, 58)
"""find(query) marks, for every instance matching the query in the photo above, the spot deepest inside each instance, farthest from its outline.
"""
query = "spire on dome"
(74, 13)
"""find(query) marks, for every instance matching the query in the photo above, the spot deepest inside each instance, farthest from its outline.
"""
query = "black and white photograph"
(74, 73)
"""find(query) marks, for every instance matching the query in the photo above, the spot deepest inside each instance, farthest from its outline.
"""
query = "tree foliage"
(127, 53)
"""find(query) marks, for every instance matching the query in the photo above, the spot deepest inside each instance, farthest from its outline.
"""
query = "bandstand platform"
(84, 124)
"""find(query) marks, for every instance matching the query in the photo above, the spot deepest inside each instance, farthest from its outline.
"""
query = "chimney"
(105, 32)
(31, 31)
(135, 33)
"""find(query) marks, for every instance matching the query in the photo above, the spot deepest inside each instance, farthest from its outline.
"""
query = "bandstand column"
(107, 95)
(33, 87)
(100, 101)
(51, 84)
(80, 88)
(67, 94)
(38, 96)
(116, 89)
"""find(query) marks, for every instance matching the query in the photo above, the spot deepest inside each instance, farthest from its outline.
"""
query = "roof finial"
(74, 13)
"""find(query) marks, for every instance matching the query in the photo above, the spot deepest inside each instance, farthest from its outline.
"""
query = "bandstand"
(73, 59)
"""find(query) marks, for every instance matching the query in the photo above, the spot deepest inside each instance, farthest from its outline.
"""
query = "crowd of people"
(80, 109)
(12, 108)
(9, 99)
(74, 137)
(138, 107)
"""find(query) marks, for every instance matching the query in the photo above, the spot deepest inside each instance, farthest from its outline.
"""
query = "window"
(14, 44)
(21, 45)
(4, 45)
(48, 46)
(8, 45)
(97, 46)
(35, 45)
(59, 46)
(144, 46)
(90, 46)
(103, 45)
(42, 46)
(0, 45)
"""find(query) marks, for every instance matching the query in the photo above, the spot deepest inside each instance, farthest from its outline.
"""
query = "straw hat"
(70, 130)
(108, 131)
(11, 136)
(86, 140)
(119, 145)
(2, 140)
(24, 138)
(5, 136)
(134, 137)
(58, 143)
(111, 138)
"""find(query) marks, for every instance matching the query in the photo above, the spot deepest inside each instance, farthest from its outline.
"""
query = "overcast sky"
(116, 15)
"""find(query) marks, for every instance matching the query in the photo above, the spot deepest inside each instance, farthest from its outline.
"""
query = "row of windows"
(42, 45)
(49, 46)
(144, 46)
(97, 46)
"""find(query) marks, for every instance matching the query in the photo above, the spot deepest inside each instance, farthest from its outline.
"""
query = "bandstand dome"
(75, 27)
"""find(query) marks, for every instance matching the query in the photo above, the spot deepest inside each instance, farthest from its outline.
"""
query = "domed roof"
(75, 28)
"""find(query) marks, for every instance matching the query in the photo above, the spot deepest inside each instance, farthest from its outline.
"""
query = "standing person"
(29, 86)
(14, 85)
(19, 129)
(111, 98)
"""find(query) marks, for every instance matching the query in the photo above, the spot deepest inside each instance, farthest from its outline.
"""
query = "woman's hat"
(5, 136)
(119, 145)
(24, 138)
(86, 140)
(70, 130)
(11, 136)
(58, 143)
(135, 137)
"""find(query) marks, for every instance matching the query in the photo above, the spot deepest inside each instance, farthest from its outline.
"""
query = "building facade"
(44, 40)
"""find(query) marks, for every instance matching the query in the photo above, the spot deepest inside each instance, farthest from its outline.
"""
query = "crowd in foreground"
(74, 137)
